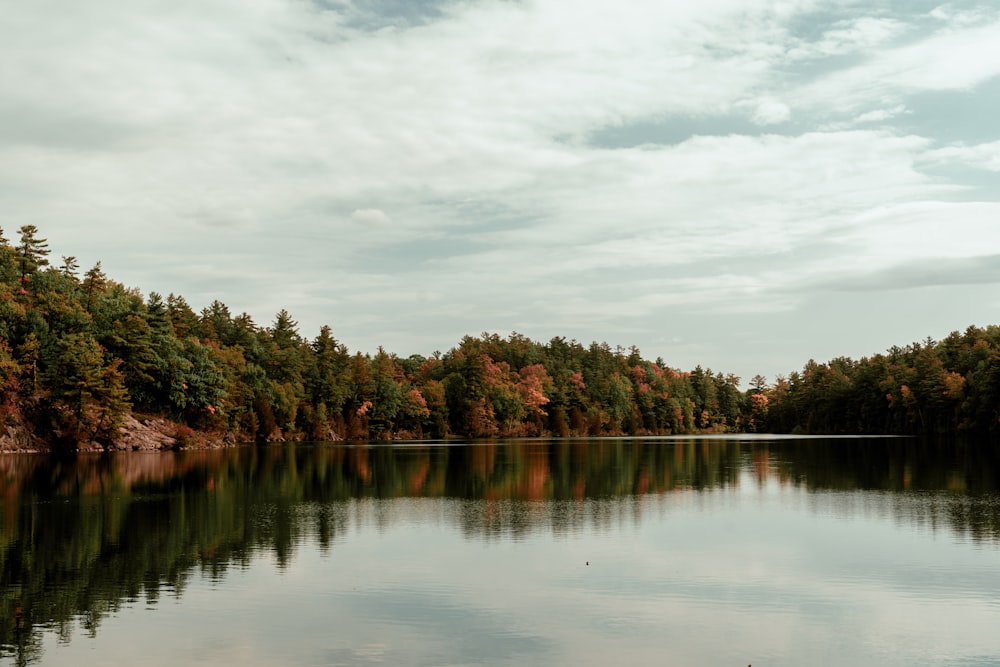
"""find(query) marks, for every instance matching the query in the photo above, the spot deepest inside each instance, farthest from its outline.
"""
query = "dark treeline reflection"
(81, 537)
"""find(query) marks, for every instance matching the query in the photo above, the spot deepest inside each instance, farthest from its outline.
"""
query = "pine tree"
(113, 403)
(34, 251)
(69, 266)
(181, 317)
(326, 382)
(74, 375)
(93, 284)
(8, 259)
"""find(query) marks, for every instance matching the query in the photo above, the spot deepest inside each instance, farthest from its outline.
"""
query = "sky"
(738, 184)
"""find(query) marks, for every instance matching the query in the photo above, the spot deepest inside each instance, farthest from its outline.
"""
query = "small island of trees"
(83, 357)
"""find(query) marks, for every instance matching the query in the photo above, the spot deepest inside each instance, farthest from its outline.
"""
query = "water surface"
(687, 551)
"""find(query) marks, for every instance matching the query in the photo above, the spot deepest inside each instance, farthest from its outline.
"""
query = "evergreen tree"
(69, 266)
(93, 284)
(182, 319)
(77, 380)
(34, 251)
(327, 382)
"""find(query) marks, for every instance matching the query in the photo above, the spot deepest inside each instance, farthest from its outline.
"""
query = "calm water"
(588, 552)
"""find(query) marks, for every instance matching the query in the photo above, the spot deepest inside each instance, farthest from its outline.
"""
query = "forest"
(81, 354)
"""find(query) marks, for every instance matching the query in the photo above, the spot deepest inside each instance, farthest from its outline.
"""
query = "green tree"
(93, 284)
(387, 395)
(89, 399)
(182, 319)
(327, 382)
(34, 251)
(69, 267)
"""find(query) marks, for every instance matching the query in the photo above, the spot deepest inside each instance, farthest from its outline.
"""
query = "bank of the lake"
(136, 433)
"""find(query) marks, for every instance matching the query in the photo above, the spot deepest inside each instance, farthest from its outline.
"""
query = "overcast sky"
(740, 184)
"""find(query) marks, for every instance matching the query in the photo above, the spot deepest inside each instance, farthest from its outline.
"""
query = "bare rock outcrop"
(16, 437)
(148, 434)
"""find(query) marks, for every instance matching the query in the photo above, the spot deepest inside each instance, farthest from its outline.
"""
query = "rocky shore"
(138, 433)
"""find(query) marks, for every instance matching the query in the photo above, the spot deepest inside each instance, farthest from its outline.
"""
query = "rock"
(148, 434)
(16, 437)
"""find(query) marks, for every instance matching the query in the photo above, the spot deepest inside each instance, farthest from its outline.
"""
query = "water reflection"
(80, 538)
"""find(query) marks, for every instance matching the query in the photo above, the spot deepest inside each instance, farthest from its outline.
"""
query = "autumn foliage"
(80, 354)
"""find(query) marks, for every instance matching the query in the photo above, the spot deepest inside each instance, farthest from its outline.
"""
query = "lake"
(722, 551)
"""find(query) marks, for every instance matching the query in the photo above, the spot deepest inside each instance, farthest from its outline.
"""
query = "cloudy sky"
(741, 184)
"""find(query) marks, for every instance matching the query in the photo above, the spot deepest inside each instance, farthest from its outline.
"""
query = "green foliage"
(88, 398)
(34, 251)
(83, 353)
(924, 388)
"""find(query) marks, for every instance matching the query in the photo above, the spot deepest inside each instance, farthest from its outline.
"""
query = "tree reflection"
(82, 537)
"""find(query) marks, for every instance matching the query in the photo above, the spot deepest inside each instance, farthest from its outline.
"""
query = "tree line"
(80, 352)
(925, 388)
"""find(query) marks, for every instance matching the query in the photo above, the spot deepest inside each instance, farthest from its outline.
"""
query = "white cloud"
(952, 59)
(857, 35)
(878, 115)
(983, 156)
(181, 143)
(370, 216)
(770, 112)
(964, 15)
